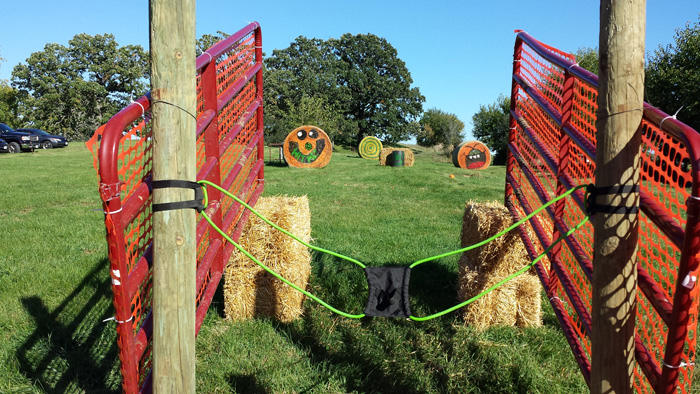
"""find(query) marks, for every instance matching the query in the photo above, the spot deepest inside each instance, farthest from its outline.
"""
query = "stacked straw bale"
(248, 289)
(517, 302)
(407, 159)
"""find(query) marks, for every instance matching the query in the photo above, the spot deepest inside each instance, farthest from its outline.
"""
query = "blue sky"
(458, 52)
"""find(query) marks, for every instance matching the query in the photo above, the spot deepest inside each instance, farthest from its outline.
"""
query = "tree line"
(352, 87)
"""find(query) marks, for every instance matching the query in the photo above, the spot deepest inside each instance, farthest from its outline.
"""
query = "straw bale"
(249, 290)
(408, 158)
(517, 302)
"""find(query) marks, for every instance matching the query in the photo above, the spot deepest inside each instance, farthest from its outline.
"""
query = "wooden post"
(173, 102)
(620, 101)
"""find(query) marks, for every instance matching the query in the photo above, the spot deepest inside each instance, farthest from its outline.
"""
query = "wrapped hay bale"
(517, 302)
(248, 289)
(408, 156)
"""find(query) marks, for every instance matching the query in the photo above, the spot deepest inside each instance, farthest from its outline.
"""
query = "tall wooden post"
(173, 102)
(620, 101)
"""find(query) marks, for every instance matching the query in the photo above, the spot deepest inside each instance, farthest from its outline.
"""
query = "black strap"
(388, 291)
(592, 206)
(197, 203)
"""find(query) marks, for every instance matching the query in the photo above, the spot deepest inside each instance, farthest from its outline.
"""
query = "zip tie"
(555, 298)
(672, 117)
(143, 110)
(683, 364)
(118, 321)
(112, 212)
(575, 64)
(208, 54)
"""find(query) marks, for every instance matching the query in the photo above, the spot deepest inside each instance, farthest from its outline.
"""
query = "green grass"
(54, 290)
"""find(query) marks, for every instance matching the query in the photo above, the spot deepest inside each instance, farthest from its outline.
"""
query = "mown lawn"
(54, 290)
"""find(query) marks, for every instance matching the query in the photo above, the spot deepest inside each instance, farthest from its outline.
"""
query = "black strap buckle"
(197, 203)
(592, 206)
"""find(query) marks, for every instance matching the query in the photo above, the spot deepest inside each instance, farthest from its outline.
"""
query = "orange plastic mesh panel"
(234, 63)
(235, 189)
(547, 130)
(200, 95)
(537, 165)
(233, 112)
(201, 151)
(202, 246)
(583, 112)
(233, 154)
(135, 156)
(543, 76)
(667, 191)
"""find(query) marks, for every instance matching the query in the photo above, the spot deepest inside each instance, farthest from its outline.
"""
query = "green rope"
(258, 262)
(516, 224)
(508, 278)
(358, 316)
(316, 248)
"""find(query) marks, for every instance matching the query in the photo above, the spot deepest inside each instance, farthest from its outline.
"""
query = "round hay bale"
(472, 155)
(407, 157)
(370, 147)
(307, 147)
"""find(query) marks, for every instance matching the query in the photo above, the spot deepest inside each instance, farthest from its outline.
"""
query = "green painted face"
(311, 144)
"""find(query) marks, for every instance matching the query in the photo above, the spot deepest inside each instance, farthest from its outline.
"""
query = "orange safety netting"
(229, 148)
(552, 149)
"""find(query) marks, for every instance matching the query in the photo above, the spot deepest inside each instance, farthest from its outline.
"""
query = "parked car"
(46, 140)
(3, 146)
(17, 140)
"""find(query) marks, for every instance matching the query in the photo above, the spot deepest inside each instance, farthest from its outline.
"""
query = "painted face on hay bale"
(307, 146)
(472, 155)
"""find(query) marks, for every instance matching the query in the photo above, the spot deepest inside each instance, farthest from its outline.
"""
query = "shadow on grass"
(360, 351)
(71, 349)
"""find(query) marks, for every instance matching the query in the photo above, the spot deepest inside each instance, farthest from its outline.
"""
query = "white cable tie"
(575, 64)
(209, 54)
(689, 281)
(555, 297)
(109, 213)
(118, 321)
(672, 117)
(143, 110)
(683, 364)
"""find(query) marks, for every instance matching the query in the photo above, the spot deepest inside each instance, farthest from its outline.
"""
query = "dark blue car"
(3, 146)
(46, 140)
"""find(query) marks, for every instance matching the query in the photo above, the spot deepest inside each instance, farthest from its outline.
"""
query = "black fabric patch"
(388, 291)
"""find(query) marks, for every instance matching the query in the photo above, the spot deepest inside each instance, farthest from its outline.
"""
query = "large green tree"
(359, 79)
(71, 90)
(673, 76)
(440, 127)
(491, 126)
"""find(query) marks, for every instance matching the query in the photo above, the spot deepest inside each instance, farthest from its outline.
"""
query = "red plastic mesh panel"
(131, 236)
(666, 182)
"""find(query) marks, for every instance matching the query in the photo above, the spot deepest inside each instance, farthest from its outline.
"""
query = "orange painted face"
(307, 146)
(474, 156)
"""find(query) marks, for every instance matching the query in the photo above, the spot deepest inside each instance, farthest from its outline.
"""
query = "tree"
(207, 40)
(72, 90)
(673, 76)
(491, 126)
(359, 78)
(587, 58)
(440, 127)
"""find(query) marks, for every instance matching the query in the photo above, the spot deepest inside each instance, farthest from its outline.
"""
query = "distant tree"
(72, 90)
(587, 58)
(673, 76)
(207, 40)
(440, 127)
(358, 77)
(491, 126)
(8, 105)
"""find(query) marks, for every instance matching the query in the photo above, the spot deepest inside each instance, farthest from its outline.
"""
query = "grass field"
(55, 293)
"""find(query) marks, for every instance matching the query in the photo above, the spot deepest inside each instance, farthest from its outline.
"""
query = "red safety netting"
(229, 152)
(552, 149)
